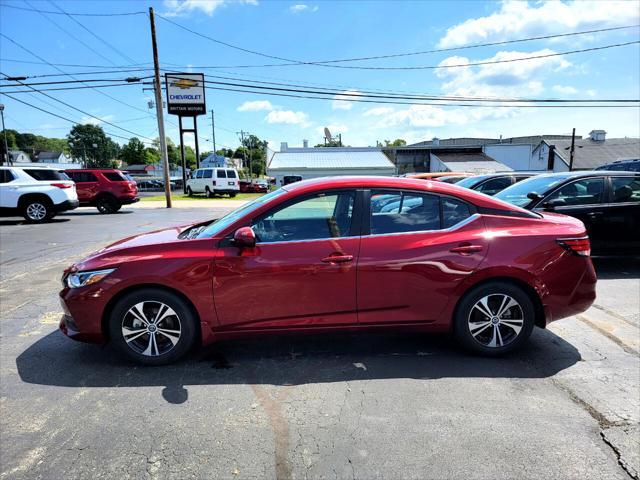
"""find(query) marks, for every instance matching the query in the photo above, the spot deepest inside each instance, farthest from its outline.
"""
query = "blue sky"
(327, 30)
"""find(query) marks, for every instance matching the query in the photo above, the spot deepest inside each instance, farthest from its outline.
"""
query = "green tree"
(90, 142)
(151, 156)
(189, 156)
(134, 152)
(398, 142)
(11, 141)
(330, 143)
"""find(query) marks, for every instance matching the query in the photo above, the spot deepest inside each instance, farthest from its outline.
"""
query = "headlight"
(82, 279)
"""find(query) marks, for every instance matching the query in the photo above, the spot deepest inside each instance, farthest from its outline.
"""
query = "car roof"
(588, 173)
(476, 198)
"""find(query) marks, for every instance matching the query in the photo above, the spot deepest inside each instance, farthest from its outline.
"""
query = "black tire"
(231, 195)
(37, 210)
(107, 204)
(165, 351)
(208, 192)
(189, 192)
(503, 334)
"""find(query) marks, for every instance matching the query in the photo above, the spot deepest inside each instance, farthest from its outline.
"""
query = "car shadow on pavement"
(95, 213)
(19, 221)
(612, 268)
(290, 360)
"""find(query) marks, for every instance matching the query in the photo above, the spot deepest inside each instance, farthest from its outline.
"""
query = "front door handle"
(466, 249)
(338, 259)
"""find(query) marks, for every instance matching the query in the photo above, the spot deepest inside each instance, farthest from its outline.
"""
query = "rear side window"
(587, 191)
(208, 174)
(401, 212)
(626, 189)
(114, 176)
(231, 174)
(199, 173)
(83, 177)
(495, 185)
(222, 174)
(46, 174)
(6, 176)
(453, 212)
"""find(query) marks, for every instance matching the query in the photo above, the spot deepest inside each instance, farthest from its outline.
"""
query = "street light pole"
(4, 130)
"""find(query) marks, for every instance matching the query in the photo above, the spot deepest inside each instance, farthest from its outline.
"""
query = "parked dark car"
(492, 183)
(608, 203)
(257, 186)
(622, 165)
(105, 189)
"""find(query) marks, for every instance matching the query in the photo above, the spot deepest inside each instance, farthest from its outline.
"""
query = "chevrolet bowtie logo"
(184, 83)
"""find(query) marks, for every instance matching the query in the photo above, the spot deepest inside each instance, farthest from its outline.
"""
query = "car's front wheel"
(152, 326)
(494, 318)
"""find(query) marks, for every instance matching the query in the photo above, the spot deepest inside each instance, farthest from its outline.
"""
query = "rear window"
(114, 176)
(222, 174)
(46, 174)
(626, 189)
(231, 174)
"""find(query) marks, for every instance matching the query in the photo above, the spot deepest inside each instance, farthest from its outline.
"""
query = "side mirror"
(534, 196)
(244, 238)
(552, 204)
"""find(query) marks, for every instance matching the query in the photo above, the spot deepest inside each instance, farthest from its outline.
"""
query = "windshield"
(517, 194)
(215, 227)
(469, 182)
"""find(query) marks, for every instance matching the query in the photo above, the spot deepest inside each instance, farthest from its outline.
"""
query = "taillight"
(579, 246)
(62, 185)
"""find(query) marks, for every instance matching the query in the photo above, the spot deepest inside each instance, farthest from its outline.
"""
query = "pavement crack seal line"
(610, 336)
(603, 422)
(614, 314)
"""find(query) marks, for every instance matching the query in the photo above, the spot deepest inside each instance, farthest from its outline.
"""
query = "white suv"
(213, 181)
(36, 193)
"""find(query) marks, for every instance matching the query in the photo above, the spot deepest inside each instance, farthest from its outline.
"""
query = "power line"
(60, 89)
(132, 80)
(60, 116)
(4, 5)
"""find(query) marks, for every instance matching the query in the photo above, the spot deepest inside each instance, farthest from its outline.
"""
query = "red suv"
(105, 189)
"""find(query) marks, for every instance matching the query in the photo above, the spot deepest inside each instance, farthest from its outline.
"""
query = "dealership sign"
(185, 94)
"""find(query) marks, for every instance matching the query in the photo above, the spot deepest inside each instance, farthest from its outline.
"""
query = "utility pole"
(244, 151)
(4, 130)
(213, 132)
(573, 148)
(159, 113)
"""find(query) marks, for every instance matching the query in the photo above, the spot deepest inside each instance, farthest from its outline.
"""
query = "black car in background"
(622, 165)
(607, 202)
(492, 183)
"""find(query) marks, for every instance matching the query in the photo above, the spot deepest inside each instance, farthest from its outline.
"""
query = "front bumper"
(82, 318)
(66, 205)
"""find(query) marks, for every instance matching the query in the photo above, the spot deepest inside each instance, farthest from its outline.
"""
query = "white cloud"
(591, 92)
(288, 117)
(183, 7)
(377, 111)
(339, 103)
(334, 129)
(301, 7)
(96, 121)
(255, 106)
(564, 89)
(517, 19)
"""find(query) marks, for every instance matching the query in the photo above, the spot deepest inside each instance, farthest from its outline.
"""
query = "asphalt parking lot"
(331, 406)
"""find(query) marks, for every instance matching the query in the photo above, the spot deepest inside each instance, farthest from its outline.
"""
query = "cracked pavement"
(330, 406)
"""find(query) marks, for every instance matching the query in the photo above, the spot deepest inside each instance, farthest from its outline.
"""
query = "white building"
(327, 161)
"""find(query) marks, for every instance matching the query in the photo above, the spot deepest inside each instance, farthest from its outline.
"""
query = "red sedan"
(358, 253)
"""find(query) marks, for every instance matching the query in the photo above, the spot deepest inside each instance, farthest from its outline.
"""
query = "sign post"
(185, 98)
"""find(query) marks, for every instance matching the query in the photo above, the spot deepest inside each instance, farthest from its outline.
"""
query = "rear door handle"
(338, 259)
(466, 249)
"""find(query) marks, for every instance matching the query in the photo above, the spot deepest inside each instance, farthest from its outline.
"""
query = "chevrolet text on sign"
(185, 94)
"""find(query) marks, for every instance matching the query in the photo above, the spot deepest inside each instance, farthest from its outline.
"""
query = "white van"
(214, 181)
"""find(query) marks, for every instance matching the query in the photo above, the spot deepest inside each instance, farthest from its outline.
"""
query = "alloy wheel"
(36, 211)
(151, 328)
(495, 320)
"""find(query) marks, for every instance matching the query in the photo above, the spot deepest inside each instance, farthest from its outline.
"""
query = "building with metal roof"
(470, 162)
(318, 162)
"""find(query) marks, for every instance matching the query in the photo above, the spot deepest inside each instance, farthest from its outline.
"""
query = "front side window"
(325, 215)
(208, 174)
(401, 212)
(222, 174)
(231, 174)
(199, 173)
(582, 192)
(626, 189)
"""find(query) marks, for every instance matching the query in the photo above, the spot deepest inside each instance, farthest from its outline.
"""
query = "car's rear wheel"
(494, 318)
(37, 210)
(232, 194)
(106, 205)
(208, 192)
(189, 192)
(152, 326)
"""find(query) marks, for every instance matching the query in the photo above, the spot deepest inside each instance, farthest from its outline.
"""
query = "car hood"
(143, 246)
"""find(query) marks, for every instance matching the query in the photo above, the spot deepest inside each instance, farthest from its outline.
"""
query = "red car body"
(103, 185)
(252, 187)
(412, 280)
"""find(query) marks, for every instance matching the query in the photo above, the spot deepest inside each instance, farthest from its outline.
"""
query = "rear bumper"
(129, 200)
(66, 205)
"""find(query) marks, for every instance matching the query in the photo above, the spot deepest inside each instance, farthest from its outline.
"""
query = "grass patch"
(182, 196)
